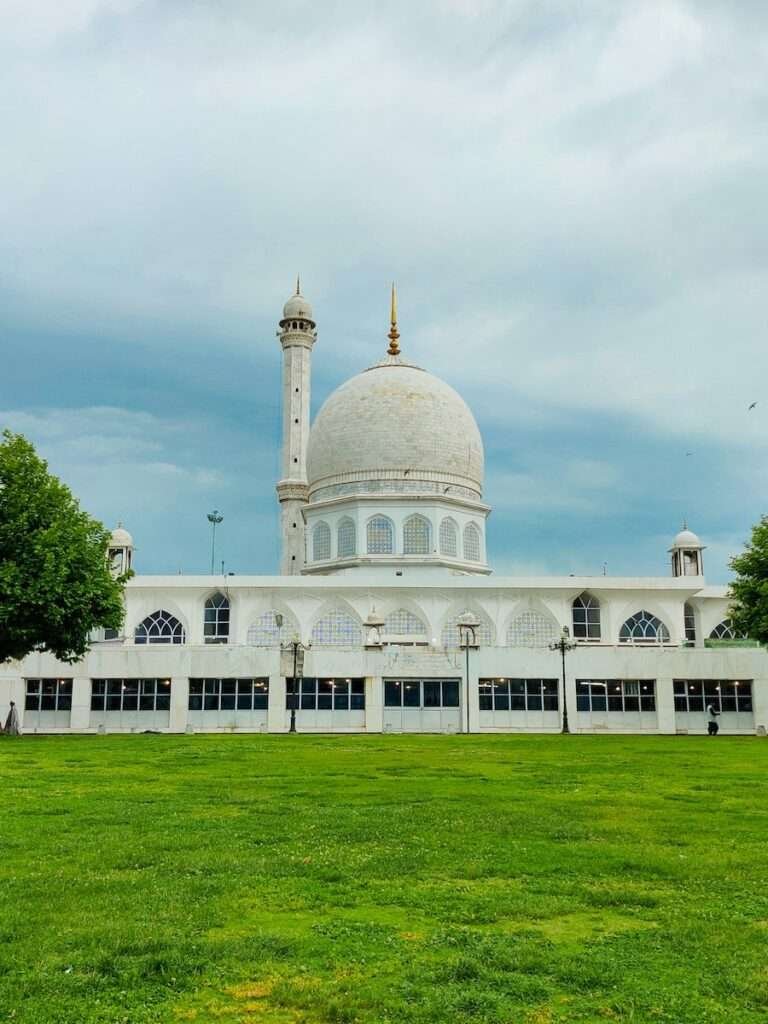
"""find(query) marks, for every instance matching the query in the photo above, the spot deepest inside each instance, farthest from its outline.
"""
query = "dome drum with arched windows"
(394, 473)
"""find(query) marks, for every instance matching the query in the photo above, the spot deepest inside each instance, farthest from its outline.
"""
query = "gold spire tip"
(394, 335)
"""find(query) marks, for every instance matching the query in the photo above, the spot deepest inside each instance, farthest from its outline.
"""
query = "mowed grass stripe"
(383, 879)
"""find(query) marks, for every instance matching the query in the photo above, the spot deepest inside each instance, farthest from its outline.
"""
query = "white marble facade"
(383, 534)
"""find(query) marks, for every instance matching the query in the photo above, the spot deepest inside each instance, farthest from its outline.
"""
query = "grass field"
(277, 880)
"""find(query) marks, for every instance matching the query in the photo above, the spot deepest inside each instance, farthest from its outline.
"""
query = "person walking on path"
(713, 726)
(12, 722)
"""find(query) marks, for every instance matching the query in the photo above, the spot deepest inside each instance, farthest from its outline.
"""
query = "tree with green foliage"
(55, 584)
(749, 591)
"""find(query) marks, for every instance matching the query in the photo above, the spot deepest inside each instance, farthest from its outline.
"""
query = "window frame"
(208, 693)
(216, 615)
(586, 607)
(109, 690)
(518, 695)
(729, 696)
(60, 694)
(321, 693)
(660, 636)
(414, 689)
(424, 536)
(159, 619)
(616, 696)
(374, 547)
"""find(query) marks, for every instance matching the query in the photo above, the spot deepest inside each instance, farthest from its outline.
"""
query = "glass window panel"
(631, 703)
(260, 700)
(228, 686)
(211, 702)
(695, 702)
(431, 693)
(48, 702)
(212, 686)
(32, 702)
(517, 686)
(647, 703)
(485, 702)
(163, 702)
(65, 701)
(113, 702)
(411, 694)
(550, 686)
(533, 686)
(534, 702)
(598, 701)
(728, 703)
(130, 701)
(195, 702)
(341, 700)
(681, 703)
(744, 702)
(358, 686)
(195, 687)
(48, 687)
(450, 693)
(550, 702)
(227, 701)
(324, 701)
(679, 686)
(97, 702)
(357, 702)
(130, 687)
(308, 701)
(114, 687)
(393, 696)
(516, 702)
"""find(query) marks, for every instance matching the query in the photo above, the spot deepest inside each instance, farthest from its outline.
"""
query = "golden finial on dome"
(394, 348)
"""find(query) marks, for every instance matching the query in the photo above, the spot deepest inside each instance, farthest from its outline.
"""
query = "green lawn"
(278, 879)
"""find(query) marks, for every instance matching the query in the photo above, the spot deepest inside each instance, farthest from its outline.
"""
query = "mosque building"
(386, 616)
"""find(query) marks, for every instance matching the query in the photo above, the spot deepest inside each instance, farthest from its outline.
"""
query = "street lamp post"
(564, 644)
(467, 638)
(299, 650)
(214, 518)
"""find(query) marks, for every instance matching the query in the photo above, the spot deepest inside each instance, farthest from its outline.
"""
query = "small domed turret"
(120, 552)
(686, 554)
(297, 308)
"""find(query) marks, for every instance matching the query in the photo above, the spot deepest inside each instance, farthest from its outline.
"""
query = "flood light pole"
(214, 518)
(564, 644)
(299, 650)
(468, 625)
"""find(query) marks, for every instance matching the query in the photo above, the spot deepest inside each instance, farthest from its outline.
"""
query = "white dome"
(297, 307)
(121, 538)
(395, 427)
(686, 539)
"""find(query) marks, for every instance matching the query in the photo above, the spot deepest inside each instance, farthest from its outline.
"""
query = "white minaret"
(297, 335)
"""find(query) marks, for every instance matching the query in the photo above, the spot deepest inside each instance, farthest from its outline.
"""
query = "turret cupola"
(686, 551)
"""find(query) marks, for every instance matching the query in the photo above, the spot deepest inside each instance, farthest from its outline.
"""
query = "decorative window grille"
(160, 628)
(48, 695)
(321, 542)
(326, 694)
(694, 695)
(586, 617)
(346, 540)
(337, 628)
(449, 544)
(380, 536)
(216, 621)
(471, 543)
(723, 631)
(452, 636)
(130, 694)
(615, 695)
(519, 695)
(417, 538)
(265, 632)
(532, 629)
(404, 623)
(690, 623)
(643, 628)
(228, 694)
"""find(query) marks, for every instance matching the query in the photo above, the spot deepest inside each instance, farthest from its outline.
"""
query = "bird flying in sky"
(752, 406)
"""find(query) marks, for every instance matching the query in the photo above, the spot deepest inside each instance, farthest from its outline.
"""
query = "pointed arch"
(380, 535)
(689, 621)
(643, 628)
(216, 619)
(451, 635)
(417, 535)
(585, 612)
(346, 538)
(321, 542)
(532, 628)
(264, 631)
(724, 631)
(471, 543)
(338, 627)
(160, 628)
(403, 622)
(449, 538)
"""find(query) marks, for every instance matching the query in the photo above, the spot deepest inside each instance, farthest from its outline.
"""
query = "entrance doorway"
(422, 705)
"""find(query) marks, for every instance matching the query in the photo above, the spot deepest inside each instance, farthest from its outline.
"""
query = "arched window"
(346, 540)
(337, 628)
(689, 619)
(265, 632)
(586, 617)
(532, 629)
(160, 628)
(321, 542)
(723, 631)
(449, 544)
(380, 536)
(471, 543)
(643, 628)
(216, 620)
(403, 623)
(451, 635)
(417, 536)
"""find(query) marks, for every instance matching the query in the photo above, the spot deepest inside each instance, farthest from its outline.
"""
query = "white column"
(276, 719)
(374, 704)
(179, 704)
(760, 704)
(665, 706)
(80, 718)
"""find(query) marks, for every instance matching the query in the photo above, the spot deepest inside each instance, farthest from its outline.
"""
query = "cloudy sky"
(571, 197)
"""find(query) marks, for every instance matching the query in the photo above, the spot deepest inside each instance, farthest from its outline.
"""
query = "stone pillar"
(473, 697)
(276, 716)
(374, 704)
(665, 706)
(760, 704)
(80, 717)
(179, 704)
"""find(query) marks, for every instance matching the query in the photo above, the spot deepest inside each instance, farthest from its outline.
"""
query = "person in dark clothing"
(713, 726)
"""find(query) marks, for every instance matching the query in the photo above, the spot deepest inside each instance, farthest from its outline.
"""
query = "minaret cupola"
(120, 551)
(686, 551)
